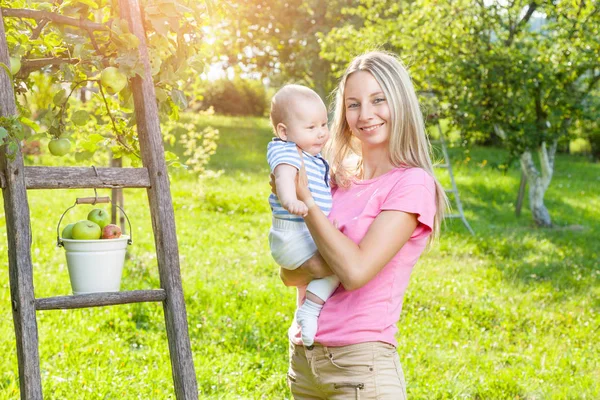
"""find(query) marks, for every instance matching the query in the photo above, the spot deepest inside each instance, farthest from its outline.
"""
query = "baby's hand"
(296, 207)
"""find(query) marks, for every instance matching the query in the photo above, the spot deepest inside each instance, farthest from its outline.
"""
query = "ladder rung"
(83, 177)
(442, 165)
(454, 216)
(99, 299)
(450, 190)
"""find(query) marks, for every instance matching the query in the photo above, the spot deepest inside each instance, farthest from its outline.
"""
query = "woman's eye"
(352, 105)
(379, 100)
(311, 127)
(323, 125)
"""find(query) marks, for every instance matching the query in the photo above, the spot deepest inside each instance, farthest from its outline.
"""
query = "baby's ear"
(281, 131)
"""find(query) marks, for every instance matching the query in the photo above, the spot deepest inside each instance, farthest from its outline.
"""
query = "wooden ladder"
(454, 189)
(15, 179)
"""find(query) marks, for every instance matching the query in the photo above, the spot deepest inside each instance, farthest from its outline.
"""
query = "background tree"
(280, 40)
(523, 70)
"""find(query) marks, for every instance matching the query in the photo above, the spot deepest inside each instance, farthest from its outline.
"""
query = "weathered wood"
(161, 210)
(84, 177)
(117, 199)
(18, 233)
(92, 200)
(99, 299)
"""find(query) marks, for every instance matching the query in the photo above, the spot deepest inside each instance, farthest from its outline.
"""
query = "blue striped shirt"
(317, 170)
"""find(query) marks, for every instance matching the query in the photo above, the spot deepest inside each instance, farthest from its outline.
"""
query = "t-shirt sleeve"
(283, 153)
(414, 198)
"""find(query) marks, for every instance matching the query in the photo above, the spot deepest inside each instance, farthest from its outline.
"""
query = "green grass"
(511, 313)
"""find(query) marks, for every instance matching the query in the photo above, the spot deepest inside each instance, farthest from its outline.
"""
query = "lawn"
(510, 313)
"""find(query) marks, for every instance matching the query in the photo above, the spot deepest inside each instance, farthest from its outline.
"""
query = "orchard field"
(510, 313)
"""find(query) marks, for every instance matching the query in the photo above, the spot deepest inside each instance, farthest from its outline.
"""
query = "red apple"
(111, 231)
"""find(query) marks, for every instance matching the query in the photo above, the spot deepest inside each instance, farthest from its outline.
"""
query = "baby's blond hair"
(282, 104)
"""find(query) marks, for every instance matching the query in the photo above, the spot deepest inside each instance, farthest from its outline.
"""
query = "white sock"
(306, 316)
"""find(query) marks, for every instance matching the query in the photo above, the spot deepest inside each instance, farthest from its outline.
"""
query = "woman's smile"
(371, 128)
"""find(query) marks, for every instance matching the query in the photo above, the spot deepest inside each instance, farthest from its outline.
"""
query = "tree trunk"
(539, 182)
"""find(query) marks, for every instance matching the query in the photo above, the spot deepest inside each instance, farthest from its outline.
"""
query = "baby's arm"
(285, 179)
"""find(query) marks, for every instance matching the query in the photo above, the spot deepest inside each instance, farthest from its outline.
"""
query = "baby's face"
(307, 125)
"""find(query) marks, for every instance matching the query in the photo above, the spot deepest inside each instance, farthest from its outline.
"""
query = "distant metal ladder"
(454, 190)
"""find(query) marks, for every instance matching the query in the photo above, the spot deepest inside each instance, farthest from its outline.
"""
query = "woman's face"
(367, 109)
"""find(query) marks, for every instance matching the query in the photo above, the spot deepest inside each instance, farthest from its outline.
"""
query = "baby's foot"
(307, 316)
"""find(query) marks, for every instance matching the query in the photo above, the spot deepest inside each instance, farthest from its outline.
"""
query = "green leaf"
(96, 138)
(3, 133)
(83, 155)
(80, 117)
(170, 156)
(161, 95)
(179, 99)
(31, 124)
(89, 146)
(12, 147)
(60, 97)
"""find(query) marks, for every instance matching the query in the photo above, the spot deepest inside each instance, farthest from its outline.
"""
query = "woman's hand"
(302, 191)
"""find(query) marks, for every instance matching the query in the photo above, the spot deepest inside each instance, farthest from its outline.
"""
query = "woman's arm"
(353, 264)
(314, 268)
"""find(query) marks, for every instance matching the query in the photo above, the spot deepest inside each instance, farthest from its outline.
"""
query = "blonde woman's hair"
(408, 144)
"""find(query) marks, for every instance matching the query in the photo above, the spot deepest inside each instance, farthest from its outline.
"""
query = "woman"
(387, 207)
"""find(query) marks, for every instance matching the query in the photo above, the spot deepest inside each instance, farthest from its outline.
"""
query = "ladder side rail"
(163, 216)
(453, 181)
(118, 198)
(18, 232)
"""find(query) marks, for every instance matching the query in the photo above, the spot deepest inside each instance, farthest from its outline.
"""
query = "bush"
(235, 97)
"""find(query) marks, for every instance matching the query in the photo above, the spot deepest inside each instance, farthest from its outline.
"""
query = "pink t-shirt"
(372, 312)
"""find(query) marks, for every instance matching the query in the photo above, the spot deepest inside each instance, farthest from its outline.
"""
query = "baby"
(299, 119)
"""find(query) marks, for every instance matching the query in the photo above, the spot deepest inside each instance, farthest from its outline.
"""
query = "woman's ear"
(281, 131)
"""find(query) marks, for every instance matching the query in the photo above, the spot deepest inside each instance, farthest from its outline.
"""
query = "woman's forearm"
(356, 264)
(340, 253)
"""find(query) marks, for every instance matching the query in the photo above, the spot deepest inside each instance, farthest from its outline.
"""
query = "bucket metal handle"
(92, 201)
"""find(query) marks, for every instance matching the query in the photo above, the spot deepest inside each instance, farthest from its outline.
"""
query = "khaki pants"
(360, 371)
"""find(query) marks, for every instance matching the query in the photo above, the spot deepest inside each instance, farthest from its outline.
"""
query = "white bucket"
(95, 265)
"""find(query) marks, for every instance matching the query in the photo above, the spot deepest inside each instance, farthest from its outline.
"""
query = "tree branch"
(38, 29)
(593, 82)
(39, 15)
(547, 162)
(93, 40)
(35, 64)
(528, 167)
(515, 28)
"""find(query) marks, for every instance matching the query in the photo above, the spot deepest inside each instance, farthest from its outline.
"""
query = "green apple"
(67, 233)
(86, 230)
(59, 147)
(99, 216)
(113, 80)
(15, 65)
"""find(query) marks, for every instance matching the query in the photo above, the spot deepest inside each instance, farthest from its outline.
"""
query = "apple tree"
(522, 70)
(70, 64)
